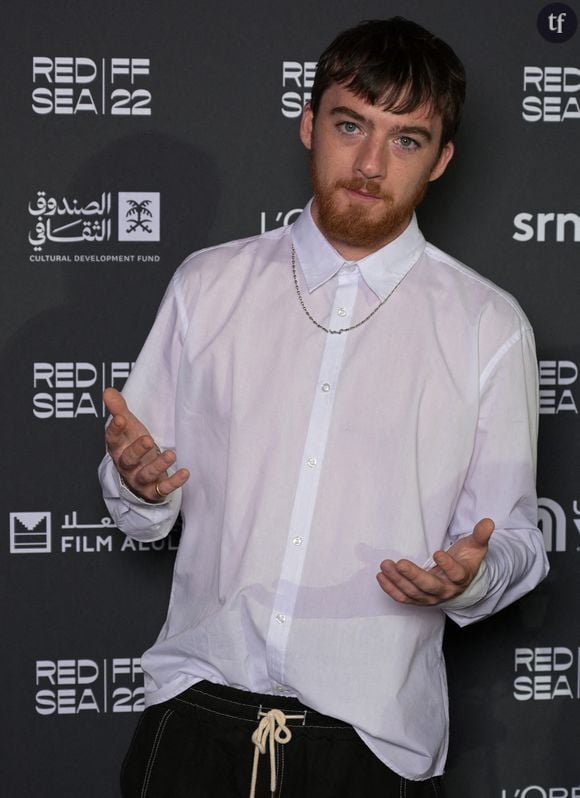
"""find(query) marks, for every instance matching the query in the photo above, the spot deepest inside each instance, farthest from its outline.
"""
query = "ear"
(445, 156)
(306, 126)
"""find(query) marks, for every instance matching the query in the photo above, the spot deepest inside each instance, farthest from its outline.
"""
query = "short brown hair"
(397, 64)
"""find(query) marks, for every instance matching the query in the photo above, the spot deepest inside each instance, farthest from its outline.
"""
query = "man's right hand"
(135, 454)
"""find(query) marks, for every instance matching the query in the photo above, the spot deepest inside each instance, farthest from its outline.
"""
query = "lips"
(364, 194)
(364, 189)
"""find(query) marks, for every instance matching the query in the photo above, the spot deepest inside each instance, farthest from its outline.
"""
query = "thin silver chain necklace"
(313, 320)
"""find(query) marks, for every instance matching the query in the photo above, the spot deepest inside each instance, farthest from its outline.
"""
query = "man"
(343, 398)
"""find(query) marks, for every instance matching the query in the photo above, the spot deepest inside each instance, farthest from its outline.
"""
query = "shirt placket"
(311, 464)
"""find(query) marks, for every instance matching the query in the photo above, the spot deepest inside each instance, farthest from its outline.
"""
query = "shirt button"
(280, 618)
(297, 541)
(325, 387)
(311, 462)
(341, 312)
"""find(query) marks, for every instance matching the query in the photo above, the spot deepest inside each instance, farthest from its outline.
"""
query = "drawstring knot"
(272, 729)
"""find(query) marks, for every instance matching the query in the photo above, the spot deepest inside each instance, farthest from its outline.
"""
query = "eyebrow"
(417, 130)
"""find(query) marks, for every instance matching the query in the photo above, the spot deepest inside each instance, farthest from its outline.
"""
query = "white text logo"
(40, 533)
(551, 94)
(138, 216)
(270, 220)
(73, 389)
(72, 686)
(535, 791)
(30, 533)
(556, 378)
(297, 79)
(546, 674)
(65, 221)
(70, 86)
(552, 522)
(553, 227)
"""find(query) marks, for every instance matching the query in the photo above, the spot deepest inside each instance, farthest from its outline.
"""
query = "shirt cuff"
(473, 593)
(126, 493)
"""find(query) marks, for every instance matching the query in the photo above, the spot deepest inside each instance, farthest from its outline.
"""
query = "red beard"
(355, 226)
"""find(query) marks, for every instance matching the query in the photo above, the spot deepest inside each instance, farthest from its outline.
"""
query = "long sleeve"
(501, 483)
(150, 395)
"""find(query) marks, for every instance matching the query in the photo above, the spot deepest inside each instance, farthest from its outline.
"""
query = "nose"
(371, 159)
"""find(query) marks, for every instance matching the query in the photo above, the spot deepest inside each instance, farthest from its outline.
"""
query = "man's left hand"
(453, 572)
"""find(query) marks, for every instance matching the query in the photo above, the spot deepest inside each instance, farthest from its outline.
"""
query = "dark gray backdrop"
(186, 113)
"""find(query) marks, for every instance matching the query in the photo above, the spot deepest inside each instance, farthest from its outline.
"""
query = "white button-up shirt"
(313, 457)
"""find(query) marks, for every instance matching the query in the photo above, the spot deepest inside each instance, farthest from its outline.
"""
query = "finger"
(114, 402)
(169, 484)
(134, 454)
(156, 469)
(483, 530)
(116, 432)
(164, 487)
(392, 590)
(406, 593)
(414, 582)
(453, 569)
(406, 572)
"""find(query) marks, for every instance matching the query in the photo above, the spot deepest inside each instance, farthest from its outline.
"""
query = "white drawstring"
(271, 728)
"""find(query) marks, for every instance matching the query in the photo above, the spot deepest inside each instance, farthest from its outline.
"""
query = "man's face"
(369, 168)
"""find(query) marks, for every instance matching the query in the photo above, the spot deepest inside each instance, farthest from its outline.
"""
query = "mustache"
(362, 184)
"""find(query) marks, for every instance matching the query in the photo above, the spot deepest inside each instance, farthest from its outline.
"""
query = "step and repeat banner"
(135, 133)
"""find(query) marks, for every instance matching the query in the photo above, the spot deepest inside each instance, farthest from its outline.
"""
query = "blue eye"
(407, 143)
(348, 127)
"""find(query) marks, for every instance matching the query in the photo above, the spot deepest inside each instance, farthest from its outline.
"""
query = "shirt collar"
(382, 270)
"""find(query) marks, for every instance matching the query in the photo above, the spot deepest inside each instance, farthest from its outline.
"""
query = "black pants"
(199, 745)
